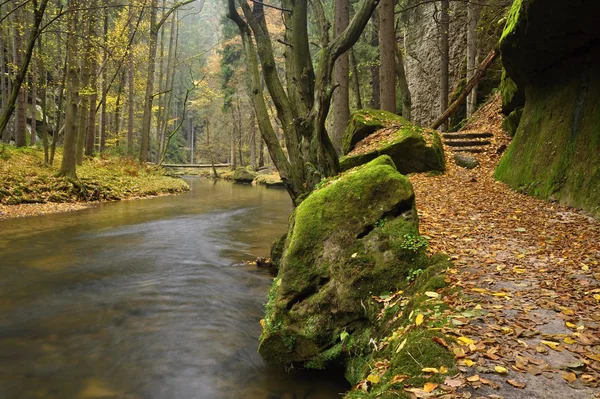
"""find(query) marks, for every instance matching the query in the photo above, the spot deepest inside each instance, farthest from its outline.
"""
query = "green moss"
(364, 122)
(277, 250)
(510, 124)
(512, 19)
(413, 150)
(554, 152)
(512, 96)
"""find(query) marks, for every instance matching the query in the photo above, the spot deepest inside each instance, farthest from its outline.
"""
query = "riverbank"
(29, 188)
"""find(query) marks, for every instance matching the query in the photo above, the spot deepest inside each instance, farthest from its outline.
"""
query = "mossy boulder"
(243, 175)
(552, 50)
(365, 122)
(355, 236)
(412, 148)
(511, 122)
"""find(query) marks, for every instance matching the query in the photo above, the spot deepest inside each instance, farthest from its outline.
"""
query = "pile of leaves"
(527, 314)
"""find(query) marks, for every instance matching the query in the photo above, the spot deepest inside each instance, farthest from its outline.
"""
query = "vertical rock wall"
(423, 58)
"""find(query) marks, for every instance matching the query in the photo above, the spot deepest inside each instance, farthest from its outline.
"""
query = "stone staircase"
(472, 142)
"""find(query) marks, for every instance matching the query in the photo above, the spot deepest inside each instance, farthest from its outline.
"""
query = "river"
(145, 299)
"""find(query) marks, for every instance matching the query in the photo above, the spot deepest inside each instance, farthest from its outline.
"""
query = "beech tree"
(387, 56)
(302, 109)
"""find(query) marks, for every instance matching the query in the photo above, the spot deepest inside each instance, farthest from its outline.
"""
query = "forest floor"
(529, 272)
(28, 188)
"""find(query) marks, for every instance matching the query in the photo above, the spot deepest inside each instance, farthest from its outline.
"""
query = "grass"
(25, 179)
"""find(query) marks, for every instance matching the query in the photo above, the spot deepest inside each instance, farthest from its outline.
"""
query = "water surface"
(144, 299)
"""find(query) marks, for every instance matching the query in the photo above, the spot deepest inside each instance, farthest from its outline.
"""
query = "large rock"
(355, 236)
(365, 122)
(243, 175)
(412, 148)
(552, 49)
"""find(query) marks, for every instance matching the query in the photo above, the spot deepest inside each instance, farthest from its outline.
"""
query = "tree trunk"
(3, 86)
(356, 79)
(232, 160)
(130, 83)
(34, 85)
(261, 153)
(61, 98)
(472, 17)
(85, 90)
(69, 160)
(90, 137)
(375, 100)
(168, 97)
(252, 139)
(104, 86)
(403, 85)
(445, 58)
(387, 56)
(43, 95)
(117, 119)
(341, 105)
(20, 113)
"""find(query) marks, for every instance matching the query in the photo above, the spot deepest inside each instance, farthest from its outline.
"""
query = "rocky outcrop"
(374, 133)
(355, 236)
(551, 49)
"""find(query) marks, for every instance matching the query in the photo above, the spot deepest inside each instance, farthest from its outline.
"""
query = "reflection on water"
(144, 299)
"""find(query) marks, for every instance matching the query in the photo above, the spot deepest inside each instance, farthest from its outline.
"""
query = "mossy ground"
(25, 179)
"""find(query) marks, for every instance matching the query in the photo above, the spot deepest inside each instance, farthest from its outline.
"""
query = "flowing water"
(145, 299)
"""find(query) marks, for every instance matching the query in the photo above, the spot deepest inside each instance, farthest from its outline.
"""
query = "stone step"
(470, 150)
(467, 143)
(465, 135)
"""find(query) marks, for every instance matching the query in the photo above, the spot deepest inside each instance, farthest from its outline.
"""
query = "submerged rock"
(412, 148)
(355, 236)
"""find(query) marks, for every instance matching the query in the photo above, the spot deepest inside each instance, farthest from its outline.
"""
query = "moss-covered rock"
(511, 122)
(365, 122)
(355, 236)
(412, 148)
(512, 96)
(551, 49)
(243, 175)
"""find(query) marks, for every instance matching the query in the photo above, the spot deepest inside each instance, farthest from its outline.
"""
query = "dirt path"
(530, 277)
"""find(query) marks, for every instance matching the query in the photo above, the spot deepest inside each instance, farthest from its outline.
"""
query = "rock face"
(243, 175)
(423, 59)
(552, 50)
(375, 133)
(353, 237)
(466, 161)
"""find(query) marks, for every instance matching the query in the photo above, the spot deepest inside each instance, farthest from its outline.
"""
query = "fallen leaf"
(429, 387)
(473, 378)
(465, 341)
(398, 378)
(373, 378)
(516, 384)
(419, 319)
(432, 294)
(569, 376)
(430, 370)
(500, 370)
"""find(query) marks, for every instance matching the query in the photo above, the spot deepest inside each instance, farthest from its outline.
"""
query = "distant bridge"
(178, 165)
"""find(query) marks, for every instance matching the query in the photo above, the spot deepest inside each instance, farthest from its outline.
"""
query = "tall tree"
(303, 108)
(68, 167)
(445, 58)
(387, 56)
(149, 96)
(20, 114)
(39, 10)
(375, 100)
(472, 17)
(341, 105)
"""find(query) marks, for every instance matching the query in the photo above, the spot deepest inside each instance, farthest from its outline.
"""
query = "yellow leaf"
(551, 344)
(500, 370)
(430, 370)
(501, 294)
(473, 378)
(570, 325)
(429, 387)
(593, 356)
(443, 369)
(480, 290)
(401, 346)
(569, 341)
(373, 378)
(468, 362)
(569, 376)
(597, 297)
(432, 294)
(466, 341)
(419, 319)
